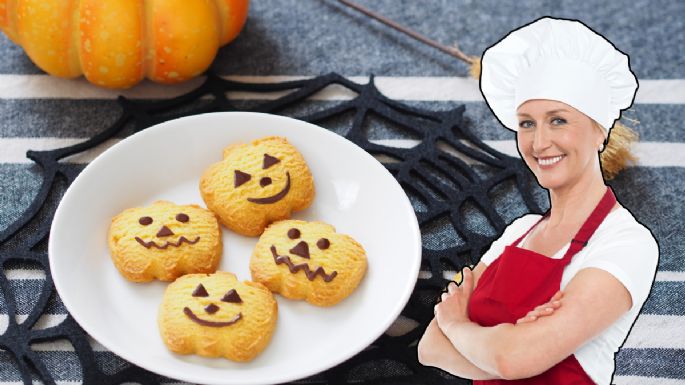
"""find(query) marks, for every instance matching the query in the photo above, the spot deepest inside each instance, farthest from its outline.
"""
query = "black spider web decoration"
(450, 176)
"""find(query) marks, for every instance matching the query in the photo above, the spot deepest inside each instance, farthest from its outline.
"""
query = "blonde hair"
(617, 151)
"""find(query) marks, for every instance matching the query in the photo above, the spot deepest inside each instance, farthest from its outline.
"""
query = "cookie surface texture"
(164, 241)
(308, 260)
(256, 184)
(215, 315)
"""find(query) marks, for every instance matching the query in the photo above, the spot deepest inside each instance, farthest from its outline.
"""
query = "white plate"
(354, 193)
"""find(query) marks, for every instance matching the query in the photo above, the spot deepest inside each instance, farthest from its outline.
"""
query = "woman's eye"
(558, 121)
(525, 124)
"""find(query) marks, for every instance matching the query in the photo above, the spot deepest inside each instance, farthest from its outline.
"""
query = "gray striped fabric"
(308, 38)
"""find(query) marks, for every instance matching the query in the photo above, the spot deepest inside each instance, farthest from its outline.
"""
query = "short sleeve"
(511, 232)
(630, 254)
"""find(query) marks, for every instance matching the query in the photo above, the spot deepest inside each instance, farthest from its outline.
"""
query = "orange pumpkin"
(117, 43)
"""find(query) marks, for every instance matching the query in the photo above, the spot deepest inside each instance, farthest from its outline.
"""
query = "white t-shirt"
(621, 246)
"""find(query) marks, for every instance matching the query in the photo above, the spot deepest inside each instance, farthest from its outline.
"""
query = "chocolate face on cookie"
(256, 184)
(215, 315)
(301, 249)
(308, 260)
(165, 240)
(231, 296)
(160, 241)
(240, 178)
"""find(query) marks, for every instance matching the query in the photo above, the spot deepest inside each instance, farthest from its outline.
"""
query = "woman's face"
(558, 143)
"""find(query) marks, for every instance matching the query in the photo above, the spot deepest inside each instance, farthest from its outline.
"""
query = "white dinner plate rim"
(153, 130)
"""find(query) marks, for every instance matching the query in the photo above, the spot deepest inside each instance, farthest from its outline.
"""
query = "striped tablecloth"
(288, 39)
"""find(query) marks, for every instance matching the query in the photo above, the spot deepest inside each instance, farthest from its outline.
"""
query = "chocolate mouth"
(279, 259)
(167, 244)
(274, 198)
(202, 322)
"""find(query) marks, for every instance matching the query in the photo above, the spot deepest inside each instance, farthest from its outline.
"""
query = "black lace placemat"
(462, 190)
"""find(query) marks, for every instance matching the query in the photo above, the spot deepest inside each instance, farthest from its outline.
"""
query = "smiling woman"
(554, 297)
(615, 154)
(558, 143)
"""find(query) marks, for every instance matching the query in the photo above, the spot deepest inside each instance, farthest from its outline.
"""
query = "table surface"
(285, 39)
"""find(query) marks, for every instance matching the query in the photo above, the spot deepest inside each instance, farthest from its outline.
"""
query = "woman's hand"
(543, 310)
(453, 307)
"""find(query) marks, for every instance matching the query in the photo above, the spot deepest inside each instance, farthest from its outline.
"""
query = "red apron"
(521, 279)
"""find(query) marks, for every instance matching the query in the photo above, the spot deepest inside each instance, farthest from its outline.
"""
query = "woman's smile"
(549, 162)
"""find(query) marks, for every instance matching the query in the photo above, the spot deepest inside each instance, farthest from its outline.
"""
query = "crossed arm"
(435, 349)
(513, 351)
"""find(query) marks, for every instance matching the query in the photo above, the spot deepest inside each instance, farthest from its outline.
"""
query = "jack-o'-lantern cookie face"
(308, 260)
(256, 184)
(164, 241)
(215, 315)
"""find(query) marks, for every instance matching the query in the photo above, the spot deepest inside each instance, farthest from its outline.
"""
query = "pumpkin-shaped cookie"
(164, 241)
(215, 315)
(257, 184)
(308, 260)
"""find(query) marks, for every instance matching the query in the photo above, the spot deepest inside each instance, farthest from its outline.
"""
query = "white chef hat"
(560, 60)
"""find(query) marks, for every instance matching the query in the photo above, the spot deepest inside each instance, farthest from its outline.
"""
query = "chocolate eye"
(182, 217)
(232, 297)
(145, 221)
(269, 161)
(293, 233)
(200, 291)
(240, 178)
(323, 243)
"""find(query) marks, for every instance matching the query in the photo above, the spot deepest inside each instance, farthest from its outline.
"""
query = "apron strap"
(516, 242)
(591, 224)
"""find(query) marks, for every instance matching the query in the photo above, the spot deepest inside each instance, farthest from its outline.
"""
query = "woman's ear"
(601, 135)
